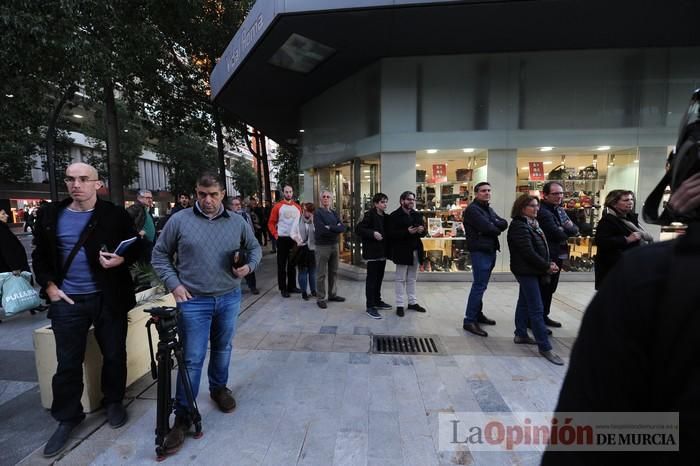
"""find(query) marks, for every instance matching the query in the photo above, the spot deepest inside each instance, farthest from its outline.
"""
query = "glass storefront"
(586, 176)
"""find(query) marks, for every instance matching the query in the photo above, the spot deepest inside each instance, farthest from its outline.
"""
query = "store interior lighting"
(432, 151)
(603, 148)
(468, 150)
(78, 116)
(546, 148)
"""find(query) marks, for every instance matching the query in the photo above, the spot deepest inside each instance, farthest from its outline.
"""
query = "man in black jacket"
(86, 285)
(482, 227)
(405, 229)
(140, 212)
(372, 231)
(557, 227)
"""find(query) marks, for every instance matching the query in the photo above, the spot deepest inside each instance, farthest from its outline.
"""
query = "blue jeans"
(307, 276)
(203, 318)
(482, 265)
(530, 307)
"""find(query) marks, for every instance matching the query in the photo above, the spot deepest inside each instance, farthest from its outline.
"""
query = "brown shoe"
(176, 437)
(223, 398)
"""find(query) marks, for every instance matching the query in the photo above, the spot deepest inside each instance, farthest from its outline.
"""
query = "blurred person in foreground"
(637, 349)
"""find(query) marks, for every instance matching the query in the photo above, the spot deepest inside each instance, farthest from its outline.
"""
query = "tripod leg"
(187, 384)
(164, 403)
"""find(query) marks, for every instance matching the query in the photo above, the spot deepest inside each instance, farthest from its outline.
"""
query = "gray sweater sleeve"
(252, 247)
(163, 253)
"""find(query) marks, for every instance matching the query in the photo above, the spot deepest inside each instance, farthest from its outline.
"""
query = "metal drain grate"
(407, 344)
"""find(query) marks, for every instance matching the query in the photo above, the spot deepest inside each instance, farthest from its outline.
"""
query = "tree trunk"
(256, 156)
(114, 160)
(262, 142)
(220, 145)
(51, 141)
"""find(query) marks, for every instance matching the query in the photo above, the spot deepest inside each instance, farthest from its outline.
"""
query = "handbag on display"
(18, 295)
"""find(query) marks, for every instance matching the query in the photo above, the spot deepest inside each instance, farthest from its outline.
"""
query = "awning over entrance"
(289, 51)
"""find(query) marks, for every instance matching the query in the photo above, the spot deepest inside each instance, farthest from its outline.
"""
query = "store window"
(445, 181)
(587, 175)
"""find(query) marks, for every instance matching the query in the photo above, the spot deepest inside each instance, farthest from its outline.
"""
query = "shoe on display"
(223, 397)
(116, 415)
(518, 340)
(551, 323)
(336, 299)
(416, 307)
(474, 328)
(372, 312)
(552, 357)
(59, 439)
(482, 319)
(322, 304)
(399, 311)
(383, 305)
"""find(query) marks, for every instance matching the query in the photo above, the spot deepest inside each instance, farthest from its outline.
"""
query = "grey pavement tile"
(488, 397)
(314, 342)
(279, 341)
(358, 358)
(9, 389)
(318, 358)
(329, 329)
(25, 426)
(361, 331)
(248, 340)
(351, 343)
(18, 365)
(465, 344)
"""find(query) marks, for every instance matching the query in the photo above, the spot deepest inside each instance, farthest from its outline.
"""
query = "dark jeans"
(286, 271)
(530, 307)
(373, 283)
(548, 289)
(70, 324)
(482, 266)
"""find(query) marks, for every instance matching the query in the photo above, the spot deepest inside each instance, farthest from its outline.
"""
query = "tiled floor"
(310, 392)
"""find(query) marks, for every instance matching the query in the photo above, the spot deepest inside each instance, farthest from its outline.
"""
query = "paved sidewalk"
(310, 392)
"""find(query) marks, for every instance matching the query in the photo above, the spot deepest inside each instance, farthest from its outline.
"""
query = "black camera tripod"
(165, 320)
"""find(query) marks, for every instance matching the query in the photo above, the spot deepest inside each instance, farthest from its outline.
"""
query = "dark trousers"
(286, 271)
(70, 324)
(251, 281)
(548, 289)
(373, 283)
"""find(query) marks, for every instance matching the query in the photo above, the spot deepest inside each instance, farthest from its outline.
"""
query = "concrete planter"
(138, 360)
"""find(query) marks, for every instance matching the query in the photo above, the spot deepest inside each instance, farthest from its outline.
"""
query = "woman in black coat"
(371, 230)
(617, 231)
(530, 263)
(12, 254)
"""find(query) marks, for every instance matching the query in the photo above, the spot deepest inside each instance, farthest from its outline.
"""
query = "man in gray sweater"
(327, 230)
(193, 256)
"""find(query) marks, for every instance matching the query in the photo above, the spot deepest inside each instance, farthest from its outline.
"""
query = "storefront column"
(651, 168)
(500, 171)
(307, 193)
(398, 174)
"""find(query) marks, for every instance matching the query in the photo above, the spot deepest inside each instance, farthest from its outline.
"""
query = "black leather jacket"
(529, 254)
(371, 247)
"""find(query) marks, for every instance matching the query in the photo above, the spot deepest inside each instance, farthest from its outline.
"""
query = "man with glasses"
(404, 231)
(327, 229)
(140, 212)
(557, 228)
(482, 227)
(86, 286)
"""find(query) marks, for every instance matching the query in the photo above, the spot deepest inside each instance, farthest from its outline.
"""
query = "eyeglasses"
(79, 179)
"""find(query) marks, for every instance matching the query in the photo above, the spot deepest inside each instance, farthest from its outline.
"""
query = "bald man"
(87, 285)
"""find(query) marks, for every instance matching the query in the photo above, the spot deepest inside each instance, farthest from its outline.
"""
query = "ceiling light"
(9, 96)
(75, 115)
(603, 148)
(417, 165)
(581, 167)
(431, 151)
(546, 148)
(301, 130)
(636, 161)
(547, 162)
(365, 171)
(468, 150)
(126, 130)
(525, 168)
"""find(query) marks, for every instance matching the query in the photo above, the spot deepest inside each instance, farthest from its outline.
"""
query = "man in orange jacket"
(285, 214)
